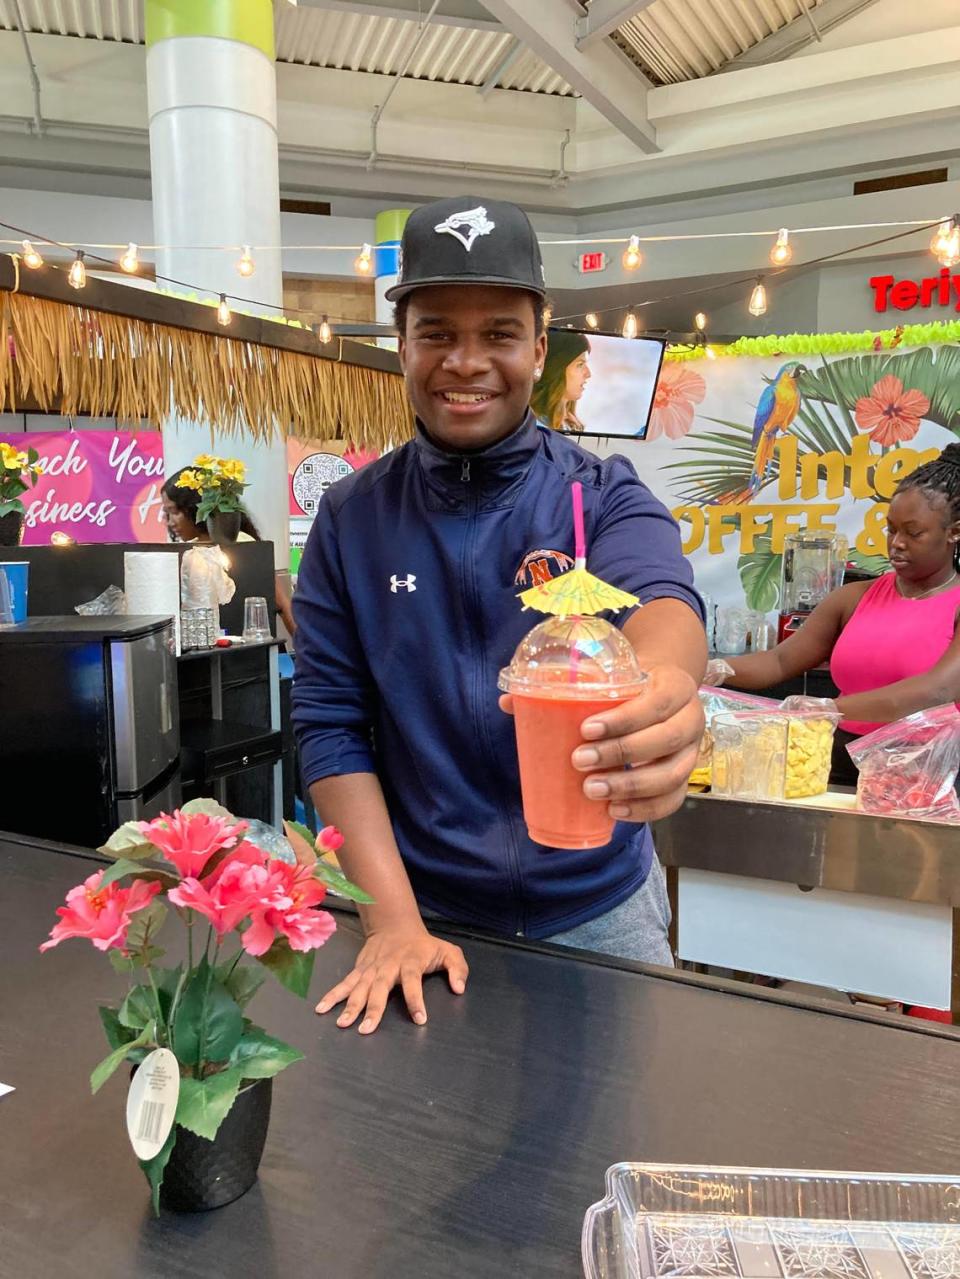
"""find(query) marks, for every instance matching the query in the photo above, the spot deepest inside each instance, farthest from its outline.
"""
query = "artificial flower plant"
(219, 481)
(199, 861)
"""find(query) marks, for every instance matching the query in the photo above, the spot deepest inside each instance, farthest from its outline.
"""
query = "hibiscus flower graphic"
(679, 388)
(889, 413)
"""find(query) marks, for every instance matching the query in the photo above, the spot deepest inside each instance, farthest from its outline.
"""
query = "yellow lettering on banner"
(819, 517)
(698, 526)
(898, 464)
(718, 524)
(861, 460)
(873, 538)
(832, 464)
(754, 522)
(787, 449)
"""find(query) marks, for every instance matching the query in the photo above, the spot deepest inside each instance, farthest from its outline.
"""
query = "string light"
(364, 263)
(77, 276)
(782, 251)
(700, 321)
(246, 266)
(31, 257)
(324, 331)
(758, 298)
(547, 315)
(630, 325)
(945, 245)
(709, 352)
(592, 321)
(130, 262)
(632, 257)
(223, 311)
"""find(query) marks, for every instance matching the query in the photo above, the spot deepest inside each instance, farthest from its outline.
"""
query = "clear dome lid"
(581, 657)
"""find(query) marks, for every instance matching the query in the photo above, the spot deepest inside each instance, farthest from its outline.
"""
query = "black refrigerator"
(89, 730)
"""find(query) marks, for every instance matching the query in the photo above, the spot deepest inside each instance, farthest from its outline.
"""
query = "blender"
(813, 566)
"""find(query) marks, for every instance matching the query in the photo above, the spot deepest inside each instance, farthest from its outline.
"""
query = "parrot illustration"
(778, 407)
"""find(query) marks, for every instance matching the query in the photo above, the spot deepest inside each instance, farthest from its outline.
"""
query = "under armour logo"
(467, 226)
(408, 583)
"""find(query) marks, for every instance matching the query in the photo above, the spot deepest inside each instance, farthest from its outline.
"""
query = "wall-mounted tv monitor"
(595, 384)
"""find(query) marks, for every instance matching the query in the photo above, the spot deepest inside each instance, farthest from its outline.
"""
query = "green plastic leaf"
(760, 576)
(260, 1056)
(291, 968)
(875, 565)
(129, 843)
(205, 1103)
(145, 925)
(209, 1022)
(337, 882)
(117, 1033)
(105, 1069)
(242, 983)
(142, 958)
(155, 1168)
(9, 507)
(209, 807)
(138, 1009)
(123, 866)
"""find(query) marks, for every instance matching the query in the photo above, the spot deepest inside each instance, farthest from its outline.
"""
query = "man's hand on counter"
(402, 956)
(645, 750)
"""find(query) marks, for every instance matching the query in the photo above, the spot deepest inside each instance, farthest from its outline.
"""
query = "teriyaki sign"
(942, 289)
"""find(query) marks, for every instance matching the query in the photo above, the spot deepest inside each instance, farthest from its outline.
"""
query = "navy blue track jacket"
(406, 610)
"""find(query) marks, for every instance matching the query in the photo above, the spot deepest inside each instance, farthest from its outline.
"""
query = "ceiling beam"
(452, 13)
(604, 17)
(504, 63)
(601, 74)
(797, 35)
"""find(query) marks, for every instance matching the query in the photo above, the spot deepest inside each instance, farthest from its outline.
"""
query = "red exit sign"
(589, 262)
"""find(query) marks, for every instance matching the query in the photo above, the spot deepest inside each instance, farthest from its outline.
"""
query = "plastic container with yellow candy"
(784, 754)
(714, 702)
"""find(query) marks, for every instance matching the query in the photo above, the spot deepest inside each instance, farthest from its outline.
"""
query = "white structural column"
(389, 232)
(212, 97)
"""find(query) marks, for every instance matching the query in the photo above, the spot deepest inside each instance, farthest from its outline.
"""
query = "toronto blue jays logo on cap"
(467, 226)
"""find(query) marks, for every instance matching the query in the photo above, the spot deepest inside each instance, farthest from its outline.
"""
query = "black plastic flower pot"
(205, 1174)
(11, 528)
(224, 526)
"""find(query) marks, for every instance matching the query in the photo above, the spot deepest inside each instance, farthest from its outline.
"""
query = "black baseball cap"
(468, 240)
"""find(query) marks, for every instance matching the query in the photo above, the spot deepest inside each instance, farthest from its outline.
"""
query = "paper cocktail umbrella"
(577, 593)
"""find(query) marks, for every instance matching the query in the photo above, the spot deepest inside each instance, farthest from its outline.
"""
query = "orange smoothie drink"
(564, 672)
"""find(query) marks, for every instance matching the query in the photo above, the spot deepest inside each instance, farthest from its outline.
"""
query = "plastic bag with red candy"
(908, 768)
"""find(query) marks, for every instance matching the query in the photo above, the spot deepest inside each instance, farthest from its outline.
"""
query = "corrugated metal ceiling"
(671, 40)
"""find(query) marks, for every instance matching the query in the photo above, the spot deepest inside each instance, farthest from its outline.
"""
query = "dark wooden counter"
(470, 1147)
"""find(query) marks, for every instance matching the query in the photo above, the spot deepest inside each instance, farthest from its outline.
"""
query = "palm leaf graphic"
(760, 575)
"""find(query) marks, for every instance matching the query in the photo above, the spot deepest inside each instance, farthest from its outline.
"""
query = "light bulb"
(77, 276)
(364, 263)
(62, 539)
(630, 326)
(709, 352)
(632, 257)
(700, 321)
(547, 316)
(130, 262)
(223, 311)
(758, 298)
(782, 251)
(31, 257)
(592, 321)
(945, 245)
(246, 266)
(324, 331)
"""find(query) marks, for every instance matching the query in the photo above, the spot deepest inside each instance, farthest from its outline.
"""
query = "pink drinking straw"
(580, 553)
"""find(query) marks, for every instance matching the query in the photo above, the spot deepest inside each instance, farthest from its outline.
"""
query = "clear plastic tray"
(661, 1222)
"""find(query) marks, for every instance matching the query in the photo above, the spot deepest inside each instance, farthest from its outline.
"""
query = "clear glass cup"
(256, 619)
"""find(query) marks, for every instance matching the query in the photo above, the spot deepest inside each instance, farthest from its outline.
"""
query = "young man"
(407, 608)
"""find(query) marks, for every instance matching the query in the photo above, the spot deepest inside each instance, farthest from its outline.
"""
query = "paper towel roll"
(152, 585)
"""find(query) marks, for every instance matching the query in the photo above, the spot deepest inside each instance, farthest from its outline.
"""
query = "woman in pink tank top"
(894, 643)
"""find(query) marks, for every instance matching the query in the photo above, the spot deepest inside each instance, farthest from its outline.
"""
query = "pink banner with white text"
(97, 486)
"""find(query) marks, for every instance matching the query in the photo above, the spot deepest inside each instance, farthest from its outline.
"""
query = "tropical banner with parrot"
(745, 450)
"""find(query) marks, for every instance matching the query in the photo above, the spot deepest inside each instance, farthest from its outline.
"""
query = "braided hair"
(940, 478)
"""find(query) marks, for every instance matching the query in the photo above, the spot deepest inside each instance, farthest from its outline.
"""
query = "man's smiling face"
(468, 354)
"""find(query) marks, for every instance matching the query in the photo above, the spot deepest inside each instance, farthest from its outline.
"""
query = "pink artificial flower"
(889, 413)
(101, 914)
(287, 897)
(190, 841)
(226, 895)
(329, 840)
(679, 388)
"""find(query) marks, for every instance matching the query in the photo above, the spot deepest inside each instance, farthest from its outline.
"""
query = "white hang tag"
(152, 1102)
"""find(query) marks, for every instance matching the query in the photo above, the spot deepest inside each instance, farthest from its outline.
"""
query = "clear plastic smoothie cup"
(564, 671)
